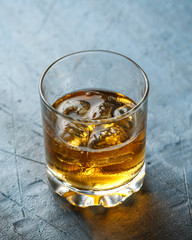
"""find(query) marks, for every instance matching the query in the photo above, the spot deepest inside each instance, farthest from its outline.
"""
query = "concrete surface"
(158, 36)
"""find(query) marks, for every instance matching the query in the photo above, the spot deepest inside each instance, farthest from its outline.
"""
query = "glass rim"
(96, 121)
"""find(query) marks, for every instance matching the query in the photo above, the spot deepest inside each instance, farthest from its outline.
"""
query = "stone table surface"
(158, 36)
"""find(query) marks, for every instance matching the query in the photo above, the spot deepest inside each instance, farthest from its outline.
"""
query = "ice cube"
(73, 134)
(101, 111)
(121, 110)
(76, 108)
(107, 135)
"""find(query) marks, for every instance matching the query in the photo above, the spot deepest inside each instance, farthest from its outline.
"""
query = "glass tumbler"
(94, 113)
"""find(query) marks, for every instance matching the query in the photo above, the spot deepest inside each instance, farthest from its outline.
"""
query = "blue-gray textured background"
(155, 34)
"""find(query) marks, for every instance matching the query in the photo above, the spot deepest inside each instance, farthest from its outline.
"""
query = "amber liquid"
(94, 155)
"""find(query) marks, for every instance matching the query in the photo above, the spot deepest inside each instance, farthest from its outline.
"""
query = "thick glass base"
(107, 198)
